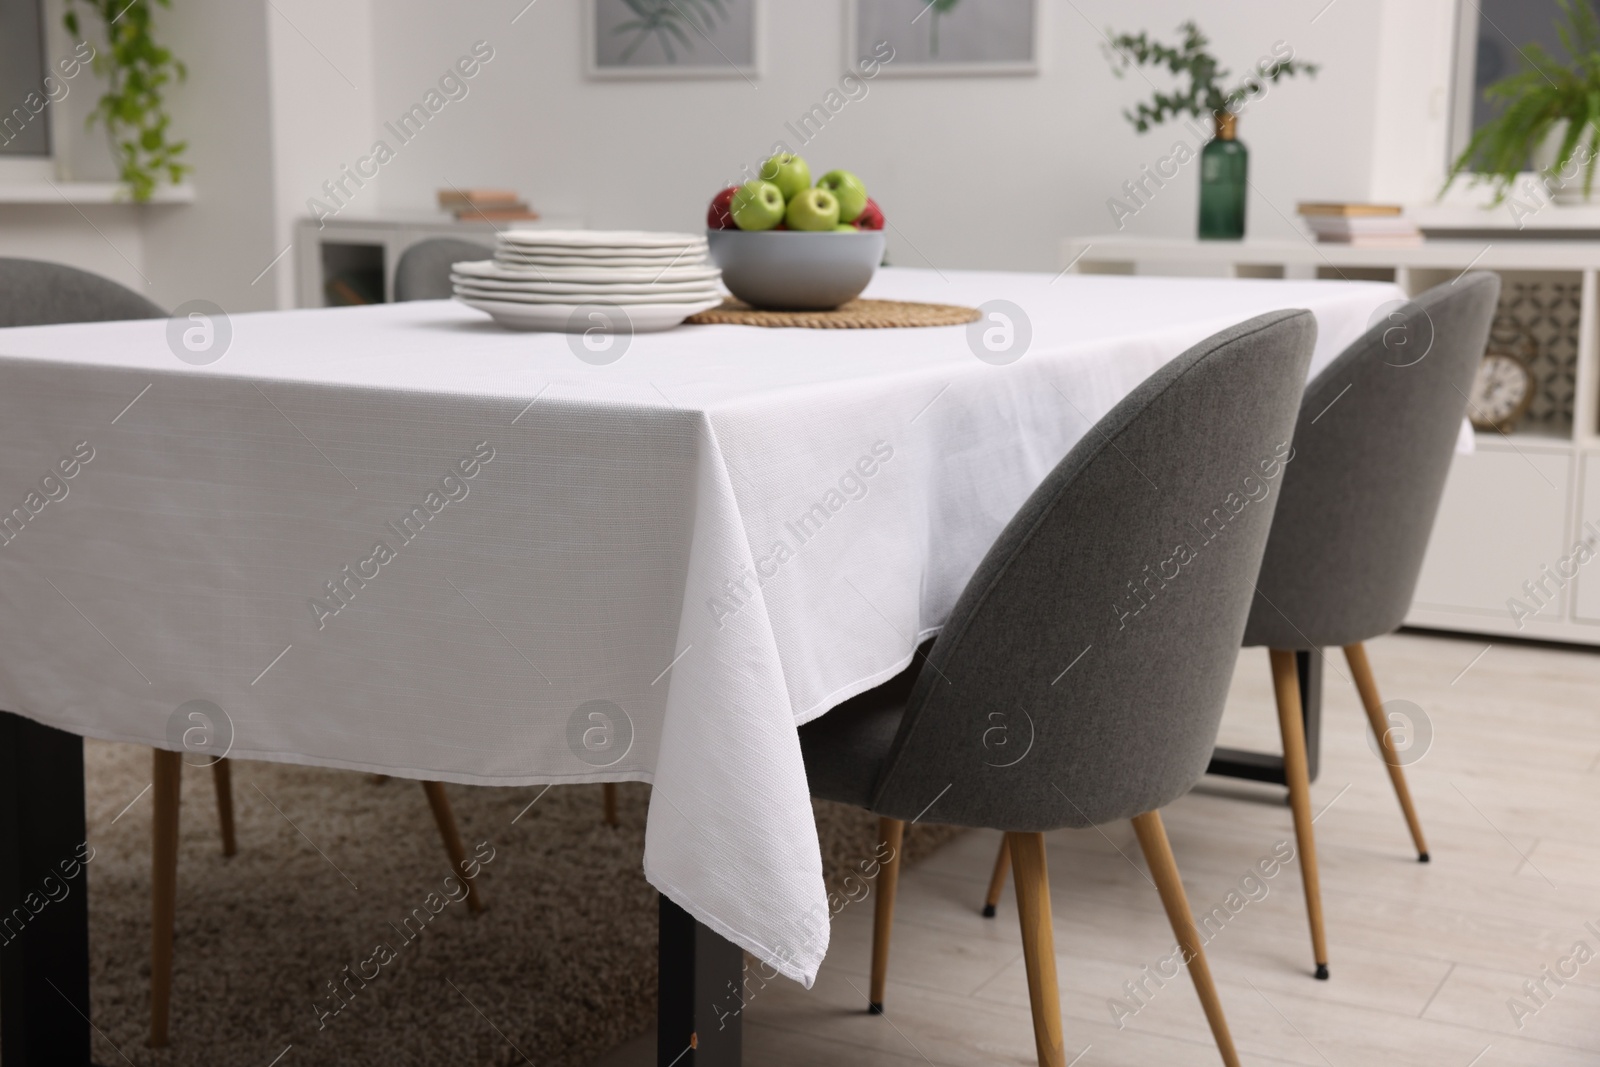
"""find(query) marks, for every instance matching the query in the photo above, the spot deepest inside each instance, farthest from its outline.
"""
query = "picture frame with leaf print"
(946, 37)
(672, 39)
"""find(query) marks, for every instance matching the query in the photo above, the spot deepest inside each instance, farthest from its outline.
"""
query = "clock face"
(1501, 392)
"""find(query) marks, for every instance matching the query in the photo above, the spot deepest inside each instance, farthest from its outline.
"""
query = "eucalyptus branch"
(1205, 95)
(133, 110)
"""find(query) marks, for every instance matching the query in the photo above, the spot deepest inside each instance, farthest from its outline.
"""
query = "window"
(24, 116)
(1489, 33)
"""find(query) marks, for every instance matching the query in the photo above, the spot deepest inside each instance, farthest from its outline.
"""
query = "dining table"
(399, 539)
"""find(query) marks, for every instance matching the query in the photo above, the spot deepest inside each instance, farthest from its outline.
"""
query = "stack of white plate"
(553, 279)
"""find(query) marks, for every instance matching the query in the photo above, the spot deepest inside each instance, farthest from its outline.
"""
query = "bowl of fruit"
(784, 243)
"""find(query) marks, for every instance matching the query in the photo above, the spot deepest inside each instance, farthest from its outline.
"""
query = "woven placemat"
(856, 315)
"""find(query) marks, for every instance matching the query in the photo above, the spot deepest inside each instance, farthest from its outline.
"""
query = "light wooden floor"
(1424, 959)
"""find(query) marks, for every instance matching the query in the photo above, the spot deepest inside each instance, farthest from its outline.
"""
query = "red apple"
(871, 217)
(718, 217)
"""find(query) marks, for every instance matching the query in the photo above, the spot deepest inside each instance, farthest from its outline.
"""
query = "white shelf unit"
(1512, 509)
(52, 194)
(375, 245)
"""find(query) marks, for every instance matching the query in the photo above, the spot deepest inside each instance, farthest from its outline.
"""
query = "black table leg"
(701, 990)
(1266, 766)
(44, 897)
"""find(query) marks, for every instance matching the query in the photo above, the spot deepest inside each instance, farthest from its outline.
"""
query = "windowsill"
(83, 193)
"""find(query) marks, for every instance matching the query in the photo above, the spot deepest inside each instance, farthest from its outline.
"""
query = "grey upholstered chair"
(1359, 501)
(37, 293)
(1377, 433)
(1131, 725)
(423, 272)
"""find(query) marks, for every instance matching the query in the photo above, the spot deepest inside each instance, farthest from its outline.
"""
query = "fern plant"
(1205, 95)
(1536, 99)
(665, 20)
(132, 109)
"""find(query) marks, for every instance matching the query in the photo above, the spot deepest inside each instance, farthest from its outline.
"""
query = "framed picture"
(672, 39)
(946, 36)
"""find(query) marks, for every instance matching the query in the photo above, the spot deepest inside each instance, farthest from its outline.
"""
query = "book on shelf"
(453, 199)
(1346, 209)
(509, 213)
(1395, 240)
(1354, 224)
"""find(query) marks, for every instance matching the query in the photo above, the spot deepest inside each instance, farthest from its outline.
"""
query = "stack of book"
(1366, 225)
(493, 205)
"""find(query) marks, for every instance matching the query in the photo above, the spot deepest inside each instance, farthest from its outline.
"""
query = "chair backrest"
(1377, 432)
(1081, 676)
(36, 293)
(423, 272)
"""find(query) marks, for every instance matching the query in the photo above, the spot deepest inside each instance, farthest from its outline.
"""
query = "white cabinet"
(1503, 517)
(1586, 587)
(352, 260)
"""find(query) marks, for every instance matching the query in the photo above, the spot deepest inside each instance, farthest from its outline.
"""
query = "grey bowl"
(796, 271)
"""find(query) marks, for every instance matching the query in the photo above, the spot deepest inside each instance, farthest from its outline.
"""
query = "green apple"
(788, 172)
(845, 227)
(852, 194)
(813, 209)
(758, 205)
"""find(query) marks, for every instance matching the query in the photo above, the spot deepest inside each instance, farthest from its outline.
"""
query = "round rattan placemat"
(856, 315)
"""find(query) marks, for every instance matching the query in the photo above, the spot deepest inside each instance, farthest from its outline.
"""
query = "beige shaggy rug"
(560, 969)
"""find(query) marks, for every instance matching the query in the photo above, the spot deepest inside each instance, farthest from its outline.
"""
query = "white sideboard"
(1516, 507)
(364, 251)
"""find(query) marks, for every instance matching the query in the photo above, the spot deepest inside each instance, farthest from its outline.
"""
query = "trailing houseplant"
(132, 109)
(1545, 99)
(1224, 161)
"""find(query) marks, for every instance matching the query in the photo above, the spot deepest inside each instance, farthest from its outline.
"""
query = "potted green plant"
(132, 109)
(1224, 162)
(1548, 117)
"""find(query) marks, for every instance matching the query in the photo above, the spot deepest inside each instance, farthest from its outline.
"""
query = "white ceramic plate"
(639, 257)
(602, 251)
(581, 296)
(556, 318)
(574, 299)
(580, 289)
(602, 239)
(486, 268)
(517, 259)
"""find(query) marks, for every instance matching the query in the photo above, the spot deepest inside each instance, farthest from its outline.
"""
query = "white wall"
(108, 240)
(1411, 123)
(105, 239)
(214, 248)
(322, 76)
(210, 249)
(973, 172)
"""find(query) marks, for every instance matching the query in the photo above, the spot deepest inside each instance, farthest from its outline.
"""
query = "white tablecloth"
(652, 570)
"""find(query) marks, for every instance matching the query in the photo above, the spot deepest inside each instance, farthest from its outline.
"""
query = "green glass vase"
(1224, 173)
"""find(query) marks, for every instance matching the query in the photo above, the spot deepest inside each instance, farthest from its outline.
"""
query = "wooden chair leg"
(1164, 870)
(1286, 684)
(997, 880)
(611, 804)
(892, 833)
(1367, 686)
(166, 783)
(440, 803)
(1038, 945)
(222, 778)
